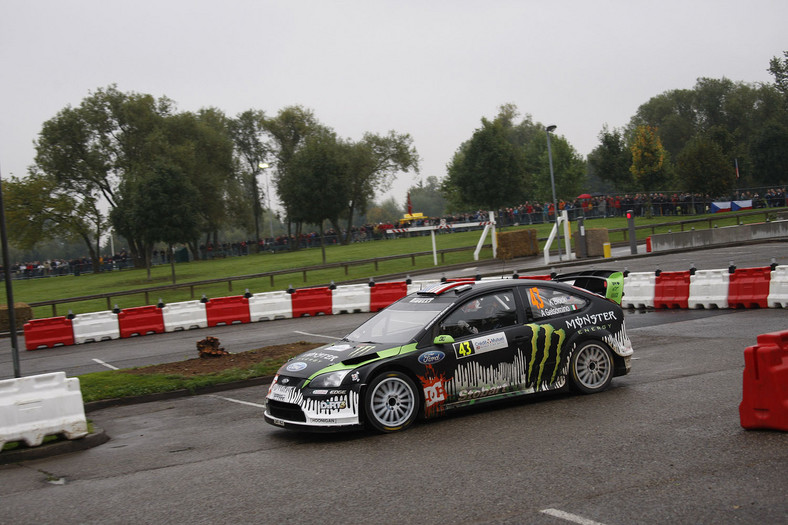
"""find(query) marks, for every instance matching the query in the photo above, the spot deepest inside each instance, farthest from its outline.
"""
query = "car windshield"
(399, 323)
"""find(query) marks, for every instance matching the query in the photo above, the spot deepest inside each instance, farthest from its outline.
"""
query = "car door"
(479, 362)
(547, 309)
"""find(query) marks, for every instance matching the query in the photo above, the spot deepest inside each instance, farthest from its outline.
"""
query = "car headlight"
(329, 380)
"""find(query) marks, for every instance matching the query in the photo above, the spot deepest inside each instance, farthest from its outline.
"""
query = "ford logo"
(296, 367)
(429, 358)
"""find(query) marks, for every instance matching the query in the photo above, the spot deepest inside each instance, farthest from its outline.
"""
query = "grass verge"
(190, 374)
(99, 386)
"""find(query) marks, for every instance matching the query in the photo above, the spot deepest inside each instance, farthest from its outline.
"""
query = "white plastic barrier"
(709, 289)
(639, 290)
(269, 306)
(350, 299)
(778, 288)
(34, 407)
(96, 326)
(184, 316)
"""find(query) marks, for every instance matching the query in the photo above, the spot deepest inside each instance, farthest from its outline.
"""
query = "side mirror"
(443, 340)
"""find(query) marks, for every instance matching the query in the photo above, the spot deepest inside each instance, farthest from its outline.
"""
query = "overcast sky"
(430, 68)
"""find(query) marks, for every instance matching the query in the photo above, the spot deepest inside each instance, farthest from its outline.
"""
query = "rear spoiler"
(607, 283)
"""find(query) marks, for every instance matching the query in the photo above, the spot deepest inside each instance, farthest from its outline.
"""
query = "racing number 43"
(465, 349)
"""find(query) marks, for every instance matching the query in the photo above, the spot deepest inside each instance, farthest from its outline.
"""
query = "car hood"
(338, 356)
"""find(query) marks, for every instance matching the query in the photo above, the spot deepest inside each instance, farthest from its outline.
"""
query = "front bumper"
(309, 427)
(312, 409)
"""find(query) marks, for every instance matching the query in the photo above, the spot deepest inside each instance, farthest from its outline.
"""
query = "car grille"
(286, 411)
(290, 381)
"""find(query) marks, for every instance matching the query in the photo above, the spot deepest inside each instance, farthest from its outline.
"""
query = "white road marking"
(316, 335)
(257, 405)
(574, 518)
(102, 363)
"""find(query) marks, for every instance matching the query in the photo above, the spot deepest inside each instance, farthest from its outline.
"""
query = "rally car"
(457, 344)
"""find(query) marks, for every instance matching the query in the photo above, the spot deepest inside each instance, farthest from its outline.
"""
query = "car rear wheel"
(391, 402)
(592, 368)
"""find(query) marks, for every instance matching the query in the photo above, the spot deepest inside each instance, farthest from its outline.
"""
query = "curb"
(56, 448)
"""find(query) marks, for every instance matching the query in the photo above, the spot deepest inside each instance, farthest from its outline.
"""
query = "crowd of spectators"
(661, 204)
(530, 212)
(76, 266)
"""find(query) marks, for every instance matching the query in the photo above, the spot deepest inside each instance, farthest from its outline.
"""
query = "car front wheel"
(391, 402)
(592, 368)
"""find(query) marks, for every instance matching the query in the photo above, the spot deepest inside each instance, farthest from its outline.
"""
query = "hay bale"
(22, 314)
(595, 240)
(520, 243)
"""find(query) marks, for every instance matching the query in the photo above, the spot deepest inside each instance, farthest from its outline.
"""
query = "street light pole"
(9, 288)
(548, 130)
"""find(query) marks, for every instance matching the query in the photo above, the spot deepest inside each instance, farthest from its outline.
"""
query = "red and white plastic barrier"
(354, 298)
(749, 287)
(95, 326)
(778, 288)
(765, 287)
(765, 388)
(270, 306)
(639, 290)
(709, 289)
(671, 290)
(184, 316)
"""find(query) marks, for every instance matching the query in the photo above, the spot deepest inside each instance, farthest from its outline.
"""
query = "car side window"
(548, 302)
(481, 314)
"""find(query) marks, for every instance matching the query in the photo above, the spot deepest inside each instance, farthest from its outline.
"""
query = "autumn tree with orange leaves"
(649, 161)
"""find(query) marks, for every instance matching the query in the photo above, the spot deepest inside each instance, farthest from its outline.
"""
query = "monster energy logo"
(532, 370)
(550, 338)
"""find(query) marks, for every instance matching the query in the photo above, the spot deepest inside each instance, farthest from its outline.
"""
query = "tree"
(388, 211)
(320, 173)
(702, 167)
(200, 146)
(648, 158)
(779, 68)
(38, 209)
(674, 113)
(732, 114)
(427, 198)
(287, 131)
(374, 163)
(568, 169)
(159, 206)
(769, 153)
(88, 150)
(611, 160)
(247, 132)
(523, 171)
(488, 171)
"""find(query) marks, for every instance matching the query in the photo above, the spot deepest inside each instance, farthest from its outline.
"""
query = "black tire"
(592, 367)
(391, 402)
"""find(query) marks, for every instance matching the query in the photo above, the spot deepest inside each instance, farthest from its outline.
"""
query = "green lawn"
(35, 290)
